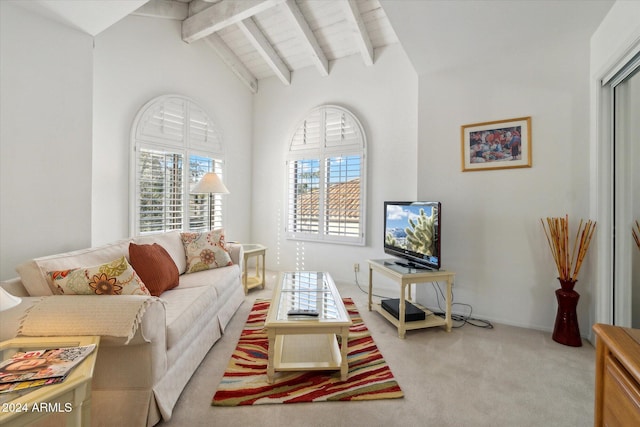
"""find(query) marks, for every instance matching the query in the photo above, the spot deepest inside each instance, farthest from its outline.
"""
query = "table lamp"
(210, 184)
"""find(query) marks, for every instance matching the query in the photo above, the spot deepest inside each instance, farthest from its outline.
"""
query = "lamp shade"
(7, 300)
(211, 184)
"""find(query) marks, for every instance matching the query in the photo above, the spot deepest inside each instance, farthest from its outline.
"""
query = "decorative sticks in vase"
(568, 262)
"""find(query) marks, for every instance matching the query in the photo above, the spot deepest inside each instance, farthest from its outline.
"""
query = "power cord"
(355, 273)
(460, 318)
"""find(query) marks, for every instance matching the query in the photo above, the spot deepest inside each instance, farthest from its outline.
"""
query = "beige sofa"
(137, 380)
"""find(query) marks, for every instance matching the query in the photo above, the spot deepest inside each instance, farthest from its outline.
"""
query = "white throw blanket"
(58, 315)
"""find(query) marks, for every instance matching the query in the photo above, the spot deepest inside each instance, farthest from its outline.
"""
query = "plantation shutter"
(160, 191)
(309, 133)
(203, 133)
(342, 196)
(325, 178)
(200, 211)
(341, 131)
(164, 122)
(175, 143)
(304, 187)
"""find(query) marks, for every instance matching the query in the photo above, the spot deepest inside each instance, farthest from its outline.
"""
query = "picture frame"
(499, 144)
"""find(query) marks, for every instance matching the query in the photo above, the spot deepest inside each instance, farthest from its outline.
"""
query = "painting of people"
(496, 145)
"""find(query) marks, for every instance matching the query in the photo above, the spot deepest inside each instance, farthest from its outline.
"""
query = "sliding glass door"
(626, 206)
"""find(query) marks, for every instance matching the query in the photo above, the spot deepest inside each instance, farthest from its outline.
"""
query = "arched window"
(326, 178)
(175, 143)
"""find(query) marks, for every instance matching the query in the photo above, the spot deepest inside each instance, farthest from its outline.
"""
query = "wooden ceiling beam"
(360, 31)
(166, 9)
(196, 6)
(261, 44)
(221, 15)
(223, 50)
(232, 61)
(319, 58)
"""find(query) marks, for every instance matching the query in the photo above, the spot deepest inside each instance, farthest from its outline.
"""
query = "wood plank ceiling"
(259, 39)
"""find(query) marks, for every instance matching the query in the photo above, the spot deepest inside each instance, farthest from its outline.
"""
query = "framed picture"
(502, 144)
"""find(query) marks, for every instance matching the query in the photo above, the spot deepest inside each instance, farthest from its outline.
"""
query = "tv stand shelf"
(404, 277)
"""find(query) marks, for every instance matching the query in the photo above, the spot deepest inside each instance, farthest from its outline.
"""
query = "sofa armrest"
(140, 363)
(148, 346)
(237, 253)
(10, 319)
(15, 287)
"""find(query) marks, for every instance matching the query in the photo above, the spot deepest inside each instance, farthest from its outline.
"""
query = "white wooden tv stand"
(405, 276)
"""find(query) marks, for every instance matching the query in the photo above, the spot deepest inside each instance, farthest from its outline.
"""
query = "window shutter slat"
(309, 134)
(164, 122)
(203, 132)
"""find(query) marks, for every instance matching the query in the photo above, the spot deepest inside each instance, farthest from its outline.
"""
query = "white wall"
(45, 137)
(492, 236)
(617, 34)
(384, 98)
(136, 60)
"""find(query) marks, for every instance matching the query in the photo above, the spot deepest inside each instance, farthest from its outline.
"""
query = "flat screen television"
(412, 233)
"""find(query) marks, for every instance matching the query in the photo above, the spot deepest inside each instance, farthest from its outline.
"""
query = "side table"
(71, 397)
(404, 277)
(258, 251)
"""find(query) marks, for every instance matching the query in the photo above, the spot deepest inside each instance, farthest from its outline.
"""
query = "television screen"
(412, 232)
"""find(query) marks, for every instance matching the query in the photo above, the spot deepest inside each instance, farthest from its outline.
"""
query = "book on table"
(35, 368)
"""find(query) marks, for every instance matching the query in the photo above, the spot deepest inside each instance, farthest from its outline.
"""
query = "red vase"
(566, 330)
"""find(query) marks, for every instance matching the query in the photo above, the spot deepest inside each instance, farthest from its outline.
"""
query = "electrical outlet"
(356, 267)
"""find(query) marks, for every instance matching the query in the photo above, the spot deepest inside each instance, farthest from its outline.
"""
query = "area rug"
(245, 380)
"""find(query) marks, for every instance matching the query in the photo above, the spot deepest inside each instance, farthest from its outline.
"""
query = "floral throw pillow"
(114, 278)
(205, 251)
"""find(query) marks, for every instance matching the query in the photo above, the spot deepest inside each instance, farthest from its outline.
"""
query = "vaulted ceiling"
(260, 39)
(264, 38)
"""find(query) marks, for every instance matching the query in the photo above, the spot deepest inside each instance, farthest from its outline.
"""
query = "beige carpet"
(505, 376)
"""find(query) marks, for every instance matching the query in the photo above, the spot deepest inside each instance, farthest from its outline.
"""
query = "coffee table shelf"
(307, 352)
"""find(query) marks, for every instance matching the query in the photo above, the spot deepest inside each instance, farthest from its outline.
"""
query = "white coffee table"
(303, 343)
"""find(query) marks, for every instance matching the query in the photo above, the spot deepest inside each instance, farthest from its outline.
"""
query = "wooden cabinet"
(617, 376)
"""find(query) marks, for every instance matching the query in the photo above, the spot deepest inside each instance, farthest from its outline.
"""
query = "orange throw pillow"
(155, 267)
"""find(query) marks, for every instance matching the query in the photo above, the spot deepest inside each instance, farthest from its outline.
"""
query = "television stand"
(405, 276)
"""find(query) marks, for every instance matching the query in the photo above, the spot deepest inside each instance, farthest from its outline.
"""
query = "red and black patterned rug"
(245, 380)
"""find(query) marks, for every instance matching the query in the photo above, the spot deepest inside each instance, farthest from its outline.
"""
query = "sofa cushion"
(114, 278)
(219, 278)
(205, 251)
(155, 267)
(171, 242)
(34, 272)
(184, 307)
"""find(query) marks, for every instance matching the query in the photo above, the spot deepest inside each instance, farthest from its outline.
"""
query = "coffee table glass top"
(307, 290)
(305, 281)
